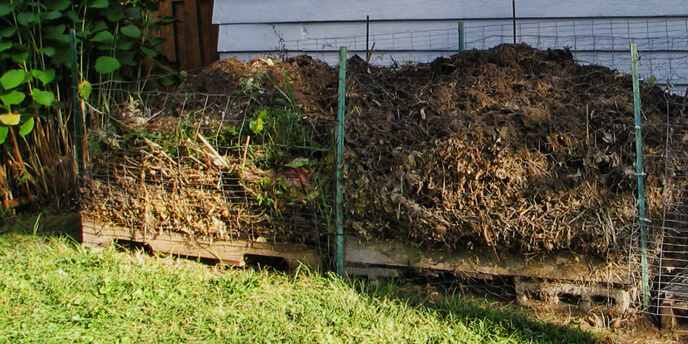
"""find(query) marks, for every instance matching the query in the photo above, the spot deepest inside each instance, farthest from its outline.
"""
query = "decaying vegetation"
(511, 148)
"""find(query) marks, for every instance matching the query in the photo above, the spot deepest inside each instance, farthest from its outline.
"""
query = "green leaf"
(107, 64)
(27, 18)
(114, 14)
(98, 26)
(103, 37)
(3, 133)
(48, 51)
(99, 4)
(125, 44)
(57, 5)
(5, 9)
(13, 98)
(20, 57)
(73, 16)
(37, 5)
(256, 125)
(10, 118)
(42, 97)
(8, 31)
(131, 31)
(85, 89)
(166, 20)
(56, 33)
(27, 127)
(52, 15)
(46, 76)
(126, 58)
(12, 78)
(24, 177)
(133, 14)
(63, 58)
(149, 52)
(5, 45)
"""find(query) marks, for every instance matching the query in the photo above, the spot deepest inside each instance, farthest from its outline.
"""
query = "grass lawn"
(54, 291)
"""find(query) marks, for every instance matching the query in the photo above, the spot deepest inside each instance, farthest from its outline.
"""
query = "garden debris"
(510, 148)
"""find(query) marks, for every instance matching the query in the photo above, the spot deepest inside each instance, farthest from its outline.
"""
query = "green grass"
(54, 291)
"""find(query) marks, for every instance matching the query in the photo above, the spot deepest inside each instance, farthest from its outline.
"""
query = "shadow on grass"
(477, 313)
(43, 224)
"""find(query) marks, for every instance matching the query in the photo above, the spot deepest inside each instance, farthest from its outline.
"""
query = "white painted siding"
(276, 11)
(402, 30)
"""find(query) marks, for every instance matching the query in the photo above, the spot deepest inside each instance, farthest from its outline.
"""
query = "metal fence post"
(462, 37)
(339, 159)
(513, 17)
(78, 145)
(640, 174)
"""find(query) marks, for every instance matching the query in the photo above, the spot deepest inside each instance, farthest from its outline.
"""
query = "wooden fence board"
(192, 43)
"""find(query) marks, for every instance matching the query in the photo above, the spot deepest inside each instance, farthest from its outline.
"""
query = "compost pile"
(510, 148)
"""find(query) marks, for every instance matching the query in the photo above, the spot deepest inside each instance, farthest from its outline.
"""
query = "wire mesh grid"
(212, 166)
(670, 254)
(602, 41)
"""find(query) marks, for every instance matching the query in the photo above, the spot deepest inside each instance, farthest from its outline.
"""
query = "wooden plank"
(371, 273)
(667, 316)
(190, 47)
(180, 33)
(94, 233)
(167, 31)
(271, 11)
(208, 32)
(562, 266)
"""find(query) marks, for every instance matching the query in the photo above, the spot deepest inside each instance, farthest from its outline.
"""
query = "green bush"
(112, 38)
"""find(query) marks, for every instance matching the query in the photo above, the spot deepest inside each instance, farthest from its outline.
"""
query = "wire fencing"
(213, 166)
(601, 41)
(663, 45)
(669, 263)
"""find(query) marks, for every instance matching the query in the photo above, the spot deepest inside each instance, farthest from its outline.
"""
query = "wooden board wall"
(193, 42)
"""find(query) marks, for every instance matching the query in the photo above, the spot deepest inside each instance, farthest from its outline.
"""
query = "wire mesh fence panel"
(602, 41)
(670, 282)
(247, 164)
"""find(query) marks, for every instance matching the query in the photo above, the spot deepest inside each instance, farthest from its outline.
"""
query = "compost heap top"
(511, 148)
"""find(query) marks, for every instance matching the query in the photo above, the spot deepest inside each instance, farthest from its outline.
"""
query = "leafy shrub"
(113, 38)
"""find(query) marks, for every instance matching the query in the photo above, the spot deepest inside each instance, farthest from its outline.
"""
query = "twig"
(243, 156)
(220, 159)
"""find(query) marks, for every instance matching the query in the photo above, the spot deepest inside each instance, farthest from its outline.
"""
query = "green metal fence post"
(339, 160)
(462, 38)
(640, 174)
(78, 148)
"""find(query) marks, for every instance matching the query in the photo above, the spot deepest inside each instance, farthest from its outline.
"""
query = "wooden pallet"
(576, 297)
(233, 252)
(565, 280)
(670, 311)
